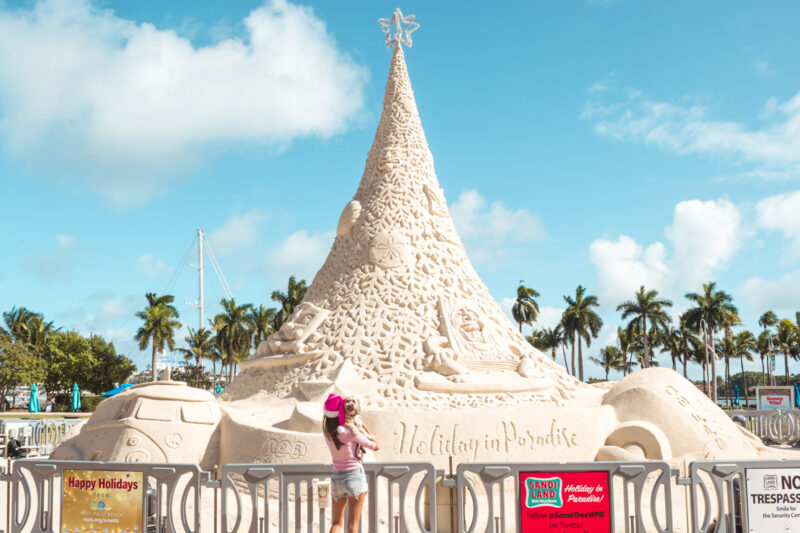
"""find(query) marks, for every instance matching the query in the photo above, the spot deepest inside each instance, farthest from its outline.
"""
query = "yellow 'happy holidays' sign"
(101, 502)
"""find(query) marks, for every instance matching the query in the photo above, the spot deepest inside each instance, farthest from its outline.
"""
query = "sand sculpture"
(398, 316)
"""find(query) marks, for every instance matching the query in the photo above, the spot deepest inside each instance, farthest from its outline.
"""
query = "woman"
(348, 480)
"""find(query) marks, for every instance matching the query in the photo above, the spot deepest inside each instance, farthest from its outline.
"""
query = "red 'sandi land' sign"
(576, 502)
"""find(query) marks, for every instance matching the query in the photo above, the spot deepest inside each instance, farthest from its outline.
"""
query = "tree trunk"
(154, 372)
(713, 370)
(214, 374)
(196, 370)
(685, 357)
(573, 356)
(705, 379)
(645, 359)
(674, 363)
(744, 377)
(566, 363)
(580, 358)
(786, 361)
(728, 381)
(763, 377)
(553, 353)
(625, 364)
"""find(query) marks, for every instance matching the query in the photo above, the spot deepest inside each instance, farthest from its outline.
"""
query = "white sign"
(773, 500)
(323, 492)
(777, 398)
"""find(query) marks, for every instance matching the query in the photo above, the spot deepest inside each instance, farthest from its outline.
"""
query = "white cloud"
(65, 241)
(763, 68)
(239, 232)
(704, 237)
(301, 255)
(128, 106)
(782, 213)
(474, 220)
(56, 265)
(690, 130)
(624, 265)
(492, 233)
(112, 310)
(779, 295)
(150, 266)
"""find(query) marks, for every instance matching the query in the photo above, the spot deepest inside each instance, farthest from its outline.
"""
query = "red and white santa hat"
(334, 406)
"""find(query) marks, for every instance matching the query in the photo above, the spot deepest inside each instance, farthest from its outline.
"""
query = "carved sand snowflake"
(403, 27)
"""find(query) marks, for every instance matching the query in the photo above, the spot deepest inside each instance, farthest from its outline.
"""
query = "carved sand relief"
(505, 437)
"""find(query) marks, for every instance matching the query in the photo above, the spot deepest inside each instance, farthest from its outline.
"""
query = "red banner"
(576, 502)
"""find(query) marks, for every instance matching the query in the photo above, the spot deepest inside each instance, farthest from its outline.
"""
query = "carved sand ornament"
(402, 26)
(298, 333)
(348, 218)
(388, 249)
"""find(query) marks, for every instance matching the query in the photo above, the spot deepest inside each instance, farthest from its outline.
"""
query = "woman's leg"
(337, 517)
(356, 505)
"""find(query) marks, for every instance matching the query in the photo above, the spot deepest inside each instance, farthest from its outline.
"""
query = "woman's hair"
(330, 425)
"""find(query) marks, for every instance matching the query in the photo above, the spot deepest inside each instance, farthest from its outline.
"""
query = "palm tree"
(295, 292)
(551, 339)
(746, 344)
(726, 347)
(766, 321)
(233, 332)
(764, 349)
(262, 319)
(580, 321)
(200, 346)
(624, 341)
(160, 323)
(38, 333)
(713, 307)
(18, 322)
(787, 342)
(525, 308)
(610, 359)
(535, 339)
(646, 306)
(678, 343)
(153, 300)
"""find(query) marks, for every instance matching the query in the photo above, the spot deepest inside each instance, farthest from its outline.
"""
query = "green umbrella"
(75, 405)
(33, 404)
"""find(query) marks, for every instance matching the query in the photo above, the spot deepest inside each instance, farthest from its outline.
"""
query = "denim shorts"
(348, 483)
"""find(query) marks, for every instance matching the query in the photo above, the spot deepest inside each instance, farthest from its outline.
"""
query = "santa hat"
(334, 406)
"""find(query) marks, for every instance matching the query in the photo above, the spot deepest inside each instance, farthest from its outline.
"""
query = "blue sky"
(603, 143)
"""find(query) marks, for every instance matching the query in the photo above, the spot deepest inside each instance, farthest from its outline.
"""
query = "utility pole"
(199, 266)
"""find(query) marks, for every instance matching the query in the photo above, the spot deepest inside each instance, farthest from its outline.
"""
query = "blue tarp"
(116, 391)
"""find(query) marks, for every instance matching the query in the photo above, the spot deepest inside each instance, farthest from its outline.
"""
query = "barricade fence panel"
(772, 426)
(757, 496)
(170, 495)
(38, 436)
(596, 496)
(264, 498)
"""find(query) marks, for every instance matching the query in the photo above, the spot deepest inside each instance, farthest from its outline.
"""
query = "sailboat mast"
(200, 278)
